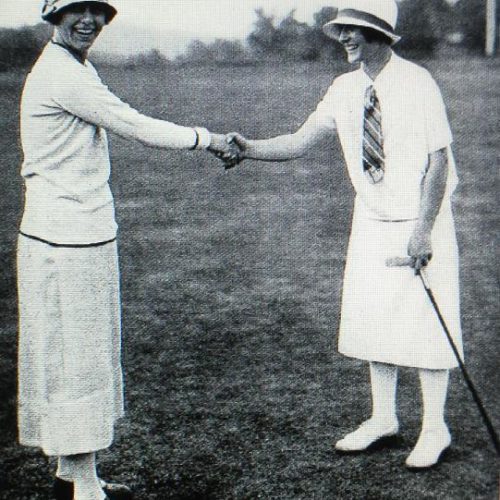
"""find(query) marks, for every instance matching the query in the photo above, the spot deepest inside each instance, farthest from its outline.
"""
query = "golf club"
(407, 261)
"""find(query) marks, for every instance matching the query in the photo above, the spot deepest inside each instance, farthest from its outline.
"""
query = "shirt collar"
(73, 53)
(391, 64)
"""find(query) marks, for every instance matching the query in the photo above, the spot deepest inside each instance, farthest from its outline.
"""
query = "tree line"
(423, 24)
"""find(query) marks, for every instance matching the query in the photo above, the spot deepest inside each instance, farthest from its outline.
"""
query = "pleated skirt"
(386, 315)
(70, 391)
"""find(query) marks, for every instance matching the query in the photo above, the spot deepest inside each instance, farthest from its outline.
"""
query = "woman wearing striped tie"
(395, 136)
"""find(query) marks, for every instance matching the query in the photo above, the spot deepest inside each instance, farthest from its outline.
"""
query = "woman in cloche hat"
(395, 136)
(70, 377)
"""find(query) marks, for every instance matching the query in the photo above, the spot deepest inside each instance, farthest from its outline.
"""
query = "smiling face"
(80, 25)
(356, 45)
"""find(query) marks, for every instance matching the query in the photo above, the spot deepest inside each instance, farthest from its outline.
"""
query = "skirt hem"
(399, 362)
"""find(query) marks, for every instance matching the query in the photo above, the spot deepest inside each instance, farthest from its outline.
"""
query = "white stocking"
(434, 385)
(81, 470)
(383, 386)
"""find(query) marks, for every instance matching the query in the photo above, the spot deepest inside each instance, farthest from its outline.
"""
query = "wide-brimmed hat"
(380, 15)
(51, 8)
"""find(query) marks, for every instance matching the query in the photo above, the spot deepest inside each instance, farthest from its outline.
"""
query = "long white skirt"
(70, 378)
(386, 316)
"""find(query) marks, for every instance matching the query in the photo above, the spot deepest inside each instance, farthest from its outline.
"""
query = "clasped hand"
(420, 249)
(229, 148)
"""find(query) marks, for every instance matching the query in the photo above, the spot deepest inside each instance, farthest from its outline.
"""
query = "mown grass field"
(230, 286)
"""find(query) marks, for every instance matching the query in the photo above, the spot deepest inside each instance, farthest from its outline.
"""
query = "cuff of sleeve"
(203, 138)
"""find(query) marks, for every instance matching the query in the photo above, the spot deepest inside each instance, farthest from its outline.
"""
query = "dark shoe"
(115, 491)
(63, 490)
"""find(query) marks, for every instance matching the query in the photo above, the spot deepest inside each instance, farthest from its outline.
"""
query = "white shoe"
(431, 443)
(366, 434)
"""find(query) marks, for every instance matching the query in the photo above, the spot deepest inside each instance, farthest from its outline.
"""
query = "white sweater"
(65, 110)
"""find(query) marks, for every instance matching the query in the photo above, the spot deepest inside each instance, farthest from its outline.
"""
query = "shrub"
(20, 47)
(219, 52)
(149, 58)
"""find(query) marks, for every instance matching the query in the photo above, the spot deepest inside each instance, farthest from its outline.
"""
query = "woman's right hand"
(236, 140)
(223, 149)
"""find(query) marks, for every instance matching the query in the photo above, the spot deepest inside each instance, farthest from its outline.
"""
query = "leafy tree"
(327, 48)
(228, 51)
(293, 40)
(471, 21)
(262, 40)
(423, 25)
(324, 15)
(197, 52)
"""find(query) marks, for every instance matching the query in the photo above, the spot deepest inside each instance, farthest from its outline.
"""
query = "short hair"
(55, 18)
(373, 35)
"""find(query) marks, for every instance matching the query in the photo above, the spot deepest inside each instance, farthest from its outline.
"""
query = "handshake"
(229, 148)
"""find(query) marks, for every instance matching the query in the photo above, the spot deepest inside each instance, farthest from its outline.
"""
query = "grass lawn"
(231, 284)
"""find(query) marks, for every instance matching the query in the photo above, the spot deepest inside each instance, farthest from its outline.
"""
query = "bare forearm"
(281, 148)
(433, 189)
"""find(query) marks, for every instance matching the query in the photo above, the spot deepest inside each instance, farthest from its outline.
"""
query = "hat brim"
(51, 15)
(332, 28)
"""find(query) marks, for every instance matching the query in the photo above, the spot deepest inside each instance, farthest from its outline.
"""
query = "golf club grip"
(399, 262)
(468, 381)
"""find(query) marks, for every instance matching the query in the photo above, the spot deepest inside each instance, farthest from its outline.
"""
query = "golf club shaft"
(468, 381)
(407, 261)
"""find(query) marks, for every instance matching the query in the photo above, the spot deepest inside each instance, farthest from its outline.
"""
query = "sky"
(170, 24)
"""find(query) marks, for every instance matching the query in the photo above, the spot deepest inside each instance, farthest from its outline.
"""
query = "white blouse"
(65, 110)
(414, 124)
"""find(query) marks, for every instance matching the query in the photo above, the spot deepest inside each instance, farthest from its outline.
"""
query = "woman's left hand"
(420, 248)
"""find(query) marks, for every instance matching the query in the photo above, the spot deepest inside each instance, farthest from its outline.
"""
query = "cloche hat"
(380, 15)
(52, 7)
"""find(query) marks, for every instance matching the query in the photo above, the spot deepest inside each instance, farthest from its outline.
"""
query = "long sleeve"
(65, 111)
(92, 101)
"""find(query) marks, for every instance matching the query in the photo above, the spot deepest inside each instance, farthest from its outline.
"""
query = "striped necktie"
(373, 142)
